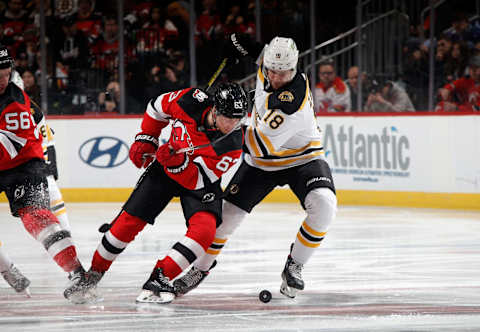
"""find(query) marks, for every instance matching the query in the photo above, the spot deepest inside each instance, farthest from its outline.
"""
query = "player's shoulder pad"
(232, 142)
(12, 94)
(290, 98)
(194, 102)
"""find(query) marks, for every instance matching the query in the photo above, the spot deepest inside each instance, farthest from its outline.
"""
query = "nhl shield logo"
(208, 198)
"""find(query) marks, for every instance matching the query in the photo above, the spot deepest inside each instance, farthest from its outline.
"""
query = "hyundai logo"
(103, 152)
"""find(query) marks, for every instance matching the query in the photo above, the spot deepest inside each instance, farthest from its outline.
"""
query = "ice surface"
(379, 269)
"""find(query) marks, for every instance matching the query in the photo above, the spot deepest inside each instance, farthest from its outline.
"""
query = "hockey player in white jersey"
(283, 146)
(57, 205)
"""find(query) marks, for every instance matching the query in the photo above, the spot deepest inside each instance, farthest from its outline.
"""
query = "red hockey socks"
(123, 231)
(43, 226)
(200, 234)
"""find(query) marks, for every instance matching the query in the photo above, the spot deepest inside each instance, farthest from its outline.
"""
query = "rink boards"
(421, 160)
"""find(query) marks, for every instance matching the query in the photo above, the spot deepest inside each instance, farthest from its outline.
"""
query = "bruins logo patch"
(286, 96)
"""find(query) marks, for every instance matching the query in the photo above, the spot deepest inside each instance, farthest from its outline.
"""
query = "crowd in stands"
(83, 46)
(83, 60)
(457, 76)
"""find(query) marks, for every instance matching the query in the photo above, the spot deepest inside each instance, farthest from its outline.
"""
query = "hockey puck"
(265, 296)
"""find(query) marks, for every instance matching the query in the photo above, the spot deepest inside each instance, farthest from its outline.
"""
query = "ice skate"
(157, 289)
(190, 280)
(82, 286)
(17, 280)
(292, 278)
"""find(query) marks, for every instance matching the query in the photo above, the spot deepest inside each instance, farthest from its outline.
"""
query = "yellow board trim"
(459, 201)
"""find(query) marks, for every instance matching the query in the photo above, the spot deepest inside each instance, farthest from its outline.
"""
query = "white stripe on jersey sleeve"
(6, 139)
(155, 110)
(211, 174)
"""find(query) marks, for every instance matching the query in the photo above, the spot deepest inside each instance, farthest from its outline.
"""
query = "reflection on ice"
(379, 269)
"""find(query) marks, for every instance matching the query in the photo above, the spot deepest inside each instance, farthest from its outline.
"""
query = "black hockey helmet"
(6, 61)
(230, 100)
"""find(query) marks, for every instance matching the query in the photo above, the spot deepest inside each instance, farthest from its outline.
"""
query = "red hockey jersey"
(20, 139)
(187, 109)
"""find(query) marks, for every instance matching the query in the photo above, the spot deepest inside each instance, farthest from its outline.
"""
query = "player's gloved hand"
(167, 156)
(143, 149)
(238, 46)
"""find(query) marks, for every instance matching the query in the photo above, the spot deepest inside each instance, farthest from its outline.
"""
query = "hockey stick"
(216, 74)
(106, 226)
(197, 147)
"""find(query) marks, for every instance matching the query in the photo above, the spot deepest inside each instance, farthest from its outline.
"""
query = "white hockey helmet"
(281, 54)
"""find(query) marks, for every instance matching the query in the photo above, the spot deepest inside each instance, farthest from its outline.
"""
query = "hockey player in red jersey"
(22, 172)
(205, 141)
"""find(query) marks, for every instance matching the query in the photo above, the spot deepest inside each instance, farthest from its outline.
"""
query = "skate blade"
(78, 298)
(26, 292)
(147, 296)
(289, 292)
(87, 296)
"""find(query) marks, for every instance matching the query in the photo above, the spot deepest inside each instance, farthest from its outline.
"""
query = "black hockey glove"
(238, 46)
(52, 162)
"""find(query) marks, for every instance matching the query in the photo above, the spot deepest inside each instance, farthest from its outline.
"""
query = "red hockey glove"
(143, 149)
(167, 156)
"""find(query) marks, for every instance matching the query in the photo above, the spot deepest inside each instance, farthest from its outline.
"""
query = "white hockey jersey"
(283, 130)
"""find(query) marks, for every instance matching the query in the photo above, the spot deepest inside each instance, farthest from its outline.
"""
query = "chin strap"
(214, 118)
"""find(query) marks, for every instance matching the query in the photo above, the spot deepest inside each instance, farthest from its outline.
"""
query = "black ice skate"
(17, 280)
(82, 286)
(292, 278)
(157, 289)
(190, 280)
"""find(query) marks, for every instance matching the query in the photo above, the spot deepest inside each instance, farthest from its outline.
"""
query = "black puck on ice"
(265, 296)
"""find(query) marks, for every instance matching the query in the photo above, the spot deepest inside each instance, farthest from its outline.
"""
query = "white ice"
(379, 269)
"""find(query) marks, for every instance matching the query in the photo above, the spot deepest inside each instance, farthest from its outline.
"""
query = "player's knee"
(321, 207)
(126, 227)
(201, 228)
(232, 217)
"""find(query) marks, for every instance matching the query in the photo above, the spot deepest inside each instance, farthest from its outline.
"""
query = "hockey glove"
(167, 156)
(143, 149)
(238, 46)
(51, 161)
